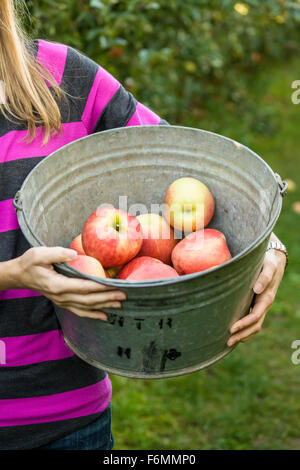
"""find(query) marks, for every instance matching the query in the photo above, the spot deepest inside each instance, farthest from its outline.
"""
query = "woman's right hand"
(83, 297)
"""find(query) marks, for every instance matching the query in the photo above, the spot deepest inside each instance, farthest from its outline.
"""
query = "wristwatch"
(278, 246)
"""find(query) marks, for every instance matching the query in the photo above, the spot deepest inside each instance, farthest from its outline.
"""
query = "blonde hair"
(28, 98)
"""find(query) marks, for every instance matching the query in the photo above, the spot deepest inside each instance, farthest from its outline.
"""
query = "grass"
(250, 399)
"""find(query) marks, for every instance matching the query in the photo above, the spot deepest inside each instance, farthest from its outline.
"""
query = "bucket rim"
(65, 268)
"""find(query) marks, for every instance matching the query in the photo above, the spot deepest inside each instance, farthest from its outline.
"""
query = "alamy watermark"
(295, 97)
(295, 357)
(2, 352)
(2, 92)
(185, 214)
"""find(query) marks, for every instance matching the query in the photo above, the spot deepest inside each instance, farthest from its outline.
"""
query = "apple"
(112, 236)
(158, 237)
(88, 265)
(112, 272)
(200, 250)
(146, 268)
(116, 51)
(189, 205)
(76, 244)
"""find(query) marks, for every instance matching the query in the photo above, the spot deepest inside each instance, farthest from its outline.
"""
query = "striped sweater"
(46, 391)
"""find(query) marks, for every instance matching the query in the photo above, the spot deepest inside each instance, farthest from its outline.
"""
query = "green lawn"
(250, 399)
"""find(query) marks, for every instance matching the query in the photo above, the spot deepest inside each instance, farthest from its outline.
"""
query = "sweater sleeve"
(108, 104)
(95, 97)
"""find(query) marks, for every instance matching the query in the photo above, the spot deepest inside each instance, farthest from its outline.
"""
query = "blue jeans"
(95, 436)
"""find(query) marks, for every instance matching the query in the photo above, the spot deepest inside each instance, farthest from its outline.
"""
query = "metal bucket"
(166, 327)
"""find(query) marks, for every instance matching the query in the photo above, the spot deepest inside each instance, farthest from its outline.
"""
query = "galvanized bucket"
(166, 327)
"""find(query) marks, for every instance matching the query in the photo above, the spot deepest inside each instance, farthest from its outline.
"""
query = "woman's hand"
(265, 287)
(83, 297)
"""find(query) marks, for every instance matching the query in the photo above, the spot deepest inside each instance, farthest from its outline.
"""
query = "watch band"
(278, 246)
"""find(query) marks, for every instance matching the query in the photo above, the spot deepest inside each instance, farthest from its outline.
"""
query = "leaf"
(97, 4)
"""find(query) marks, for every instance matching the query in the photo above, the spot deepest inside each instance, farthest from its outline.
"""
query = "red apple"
(158, 237)
(189, 205)
(146, 268)
(88, 265)
(200, 250)
(116, 51)
(112, 236)
(76, 244)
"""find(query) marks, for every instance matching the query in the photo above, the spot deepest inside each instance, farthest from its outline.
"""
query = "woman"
(49, 398)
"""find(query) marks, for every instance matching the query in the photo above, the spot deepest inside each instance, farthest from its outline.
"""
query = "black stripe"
(78, 78)
(47, 378)
(27, 316)
(117, 112)
(12, 244)
(8, 126)
(13, 173)
(37, 435)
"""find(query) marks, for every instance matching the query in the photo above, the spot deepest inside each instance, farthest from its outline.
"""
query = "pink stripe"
(32, 349)
(8, 217)
(143, 116)
(12, 147)
(82, 402)
(53, 57)
(103, 89)
(18, 294)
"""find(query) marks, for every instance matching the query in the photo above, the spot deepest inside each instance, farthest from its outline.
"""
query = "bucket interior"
(138, 164)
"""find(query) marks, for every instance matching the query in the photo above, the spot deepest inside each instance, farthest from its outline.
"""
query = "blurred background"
(227, 67)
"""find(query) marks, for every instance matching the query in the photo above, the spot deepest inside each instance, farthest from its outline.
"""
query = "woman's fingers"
(97, 315)
(265, 278)
(88, 305)
(98, 306)
(251, 323)
(262, 304)
(265, 287)
(45, 255)
(89, 300)
(59, 284)
(246, 333)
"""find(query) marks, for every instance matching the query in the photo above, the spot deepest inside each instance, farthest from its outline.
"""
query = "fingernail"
(73, 254)
(230, 343)
(117, 305)
(120, 297)
(233, 329)
(258, 288)
(102, 317)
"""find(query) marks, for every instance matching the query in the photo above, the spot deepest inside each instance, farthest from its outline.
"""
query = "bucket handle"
(17, 203)
(282, 185)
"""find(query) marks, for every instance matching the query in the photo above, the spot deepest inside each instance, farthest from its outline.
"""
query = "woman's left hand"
(265, 287)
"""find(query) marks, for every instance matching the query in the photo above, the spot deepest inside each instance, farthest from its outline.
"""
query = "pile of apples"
(114, 243)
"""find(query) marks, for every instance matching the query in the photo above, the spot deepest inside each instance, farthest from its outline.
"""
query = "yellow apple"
(189, 204)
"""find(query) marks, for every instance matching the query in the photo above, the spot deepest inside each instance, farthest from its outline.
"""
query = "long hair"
(27, 96)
